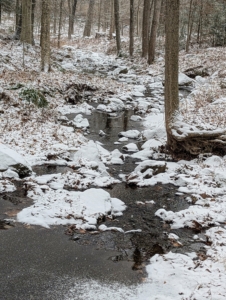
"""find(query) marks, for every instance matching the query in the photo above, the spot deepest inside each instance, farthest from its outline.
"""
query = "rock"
(135, 118)
(137, 94)
(196, 71)
(80, 122)
(120, 70)
(132, 134)
(200, 80)
(13, 160)
(102, 107)
(184, 80)
(123, 139)
(156, 166)
(102, 133)
(130, 147)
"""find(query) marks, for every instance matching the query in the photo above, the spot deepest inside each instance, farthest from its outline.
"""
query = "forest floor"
(104, 128)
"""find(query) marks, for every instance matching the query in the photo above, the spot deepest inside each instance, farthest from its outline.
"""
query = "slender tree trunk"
(26, 32)
(99, 15)
(60, 23)
(18, 20)
(45, 36)
(89, 19)
(131, 28)
(33, 3)
(154, 28)
(55, 17)
(1, 12)
(192, 7)
(117, 27)
(171, 66)
(145, 27)
(199, 33)
(112, 25)
(73, 15)
(72, 9)
(17, 12)
(70, 15)
(105, 15)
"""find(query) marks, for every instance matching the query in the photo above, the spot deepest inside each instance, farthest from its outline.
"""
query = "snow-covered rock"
(137, 94)
(184, 80)
(54, 207)
(130, 147)
(131, 134)
(135, 118)
(13, 160)
(80, 122)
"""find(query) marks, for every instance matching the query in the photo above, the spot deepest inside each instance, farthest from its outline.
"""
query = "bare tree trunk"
(18, 20)
(70, 12)
(72, 9)
(60, 23)
(0, 12)
(171, 66)
(199, 33)
(89, 19)
(145, 27)
(131, 28)
(99, 15)
(112, 25)
(117, 27)
(154, 28)
(73, 15)
(105, 15)
(45, 36)
(33, 3)
(26, 32)
(190, 23)
(55, 17)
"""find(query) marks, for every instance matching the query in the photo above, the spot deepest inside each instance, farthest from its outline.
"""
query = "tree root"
(197, 144)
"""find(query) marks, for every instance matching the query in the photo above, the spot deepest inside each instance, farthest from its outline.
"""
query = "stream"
(33, 259)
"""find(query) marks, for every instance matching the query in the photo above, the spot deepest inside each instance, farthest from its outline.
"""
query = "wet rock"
(75, 237)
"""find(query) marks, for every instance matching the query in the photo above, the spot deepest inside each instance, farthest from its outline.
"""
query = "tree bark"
(89, 19)
(72, 9)
(145, 27)
(45, 36)
(18, 20)
(33, 3)
(112, 25)
(154, 28)
(117, 27)
(60, 24)
(171, 66)
(131, 28)
(26, 32)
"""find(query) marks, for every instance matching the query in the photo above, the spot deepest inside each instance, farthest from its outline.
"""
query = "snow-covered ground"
(48, 137)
